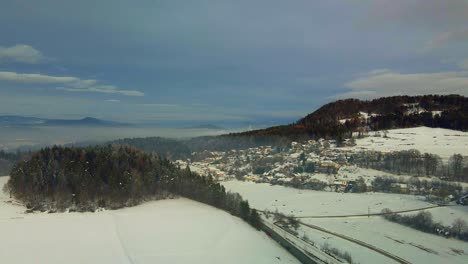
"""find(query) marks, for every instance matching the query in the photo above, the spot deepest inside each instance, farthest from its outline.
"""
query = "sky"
(206, 61)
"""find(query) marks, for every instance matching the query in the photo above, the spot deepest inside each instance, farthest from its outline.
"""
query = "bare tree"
(459, 226)
(456, 164)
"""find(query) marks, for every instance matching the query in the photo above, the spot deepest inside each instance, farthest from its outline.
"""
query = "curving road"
(359, 242)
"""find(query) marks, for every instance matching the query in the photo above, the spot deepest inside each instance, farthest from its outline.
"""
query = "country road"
(372, 214)
(359, 242)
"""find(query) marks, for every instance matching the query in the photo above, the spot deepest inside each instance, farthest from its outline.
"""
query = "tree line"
(424, 222)
(111, 176)
(413, 162)
(415, 186)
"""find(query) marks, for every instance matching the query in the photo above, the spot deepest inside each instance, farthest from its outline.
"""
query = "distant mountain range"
(12, 120)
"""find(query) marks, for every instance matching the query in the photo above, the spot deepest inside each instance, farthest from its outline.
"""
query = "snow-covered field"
(446, 215)
(409, 244)
(168, 231)
(314, 203)
(440, 141)
(354, 172)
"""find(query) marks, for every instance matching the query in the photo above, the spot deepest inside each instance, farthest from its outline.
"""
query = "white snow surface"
(409, 244)
(167, 231)
(440, 141)
(320, 203)
(446, 215)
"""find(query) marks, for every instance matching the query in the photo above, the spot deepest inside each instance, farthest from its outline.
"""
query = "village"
(313, 164)
(324, 165)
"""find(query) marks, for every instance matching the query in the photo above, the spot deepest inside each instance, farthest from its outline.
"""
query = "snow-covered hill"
(168, 231)
(443, 142)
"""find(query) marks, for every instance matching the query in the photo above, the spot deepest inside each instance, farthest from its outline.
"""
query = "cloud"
(385, 82)
(109, 89)
(70, 83)
(113, 100)
(418, 13)
(446, 37)
(20, 53)
(37, 78)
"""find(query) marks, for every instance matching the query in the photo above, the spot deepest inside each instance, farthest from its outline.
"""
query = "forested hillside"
(85, 179)
(339, 119)
(164, 147)
(174, 149)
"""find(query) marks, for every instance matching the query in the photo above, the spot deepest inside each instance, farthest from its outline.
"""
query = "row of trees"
(423, 221)
(413, 162)
(415, 186)
(85, 179)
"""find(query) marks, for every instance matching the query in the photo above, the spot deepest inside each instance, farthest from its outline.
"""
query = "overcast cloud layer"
(224, 60)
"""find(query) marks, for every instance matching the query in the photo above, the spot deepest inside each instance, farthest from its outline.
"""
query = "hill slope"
(341, 118)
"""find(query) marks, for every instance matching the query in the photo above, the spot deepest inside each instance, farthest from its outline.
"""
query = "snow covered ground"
(354, 172)
(440, 141)
(446, 215)
(168, 231)
(409, 244)
(313, 203)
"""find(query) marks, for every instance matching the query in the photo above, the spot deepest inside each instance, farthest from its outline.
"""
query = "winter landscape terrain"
(355, 215)
(440, 141)
(345, 221)
(329, 210)
(168, 231)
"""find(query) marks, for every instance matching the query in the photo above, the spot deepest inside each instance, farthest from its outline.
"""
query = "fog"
(13, 137)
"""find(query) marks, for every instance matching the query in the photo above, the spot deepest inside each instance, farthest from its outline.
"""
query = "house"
(339, 185)
(400, 187)
(327, 166)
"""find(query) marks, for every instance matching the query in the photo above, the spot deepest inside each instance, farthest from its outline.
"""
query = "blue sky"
(223, 60)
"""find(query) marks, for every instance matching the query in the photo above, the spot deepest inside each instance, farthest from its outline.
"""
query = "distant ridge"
(341, 118)
(35, 121)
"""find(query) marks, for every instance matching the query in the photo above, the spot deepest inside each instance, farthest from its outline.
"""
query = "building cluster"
(313, 162)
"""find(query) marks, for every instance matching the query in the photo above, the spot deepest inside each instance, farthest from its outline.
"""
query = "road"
(372, 214)
(359, 242)
(305, 256)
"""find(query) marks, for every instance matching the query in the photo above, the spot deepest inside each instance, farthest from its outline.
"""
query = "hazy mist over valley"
(25, 138)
